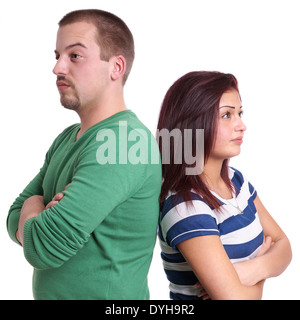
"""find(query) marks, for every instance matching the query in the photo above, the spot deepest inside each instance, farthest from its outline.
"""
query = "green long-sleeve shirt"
(97, 242)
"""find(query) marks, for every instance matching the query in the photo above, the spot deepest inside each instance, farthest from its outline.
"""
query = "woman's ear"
(118, 67)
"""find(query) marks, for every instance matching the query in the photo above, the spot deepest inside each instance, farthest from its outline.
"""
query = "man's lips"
(62, 85)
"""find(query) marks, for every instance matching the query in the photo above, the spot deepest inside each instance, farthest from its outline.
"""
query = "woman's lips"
(238, 140)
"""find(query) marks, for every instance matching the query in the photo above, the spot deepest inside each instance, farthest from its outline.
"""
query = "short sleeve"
(252, 191)
(242, 184)
(181, 221)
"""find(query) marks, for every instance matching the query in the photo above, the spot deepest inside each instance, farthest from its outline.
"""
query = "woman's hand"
(202, 294)
(267, 244)
(243, 269)
(246, 270)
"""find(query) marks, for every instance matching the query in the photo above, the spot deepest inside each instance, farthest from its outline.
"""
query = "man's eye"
(75, 56)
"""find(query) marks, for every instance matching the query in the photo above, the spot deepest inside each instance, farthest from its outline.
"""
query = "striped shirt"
(237, 225)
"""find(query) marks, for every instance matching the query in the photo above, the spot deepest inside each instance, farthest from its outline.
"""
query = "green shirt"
(97, 242)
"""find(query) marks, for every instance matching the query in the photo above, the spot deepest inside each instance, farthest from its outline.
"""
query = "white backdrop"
(256, 40)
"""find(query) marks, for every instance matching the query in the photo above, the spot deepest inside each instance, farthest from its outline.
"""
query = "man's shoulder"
(69, 129)
(65, 134)
(126, 118)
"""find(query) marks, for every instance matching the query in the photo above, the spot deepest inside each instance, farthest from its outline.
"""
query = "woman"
(218, 241)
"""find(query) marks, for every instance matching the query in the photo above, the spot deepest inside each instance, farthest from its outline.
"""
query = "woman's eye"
(226, 115)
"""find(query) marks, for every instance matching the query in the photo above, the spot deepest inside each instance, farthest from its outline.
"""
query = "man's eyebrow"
(73, 45)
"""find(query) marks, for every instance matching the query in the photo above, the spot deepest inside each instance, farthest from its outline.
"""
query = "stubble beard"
(71, 103)
(69, 100)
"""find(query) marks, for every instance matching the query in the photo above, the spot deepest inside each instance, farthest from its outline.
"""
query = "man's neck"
(92, 116)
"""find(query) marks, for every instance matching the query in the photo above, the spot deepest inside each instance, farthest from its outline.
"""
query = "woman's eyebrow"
(232, 107)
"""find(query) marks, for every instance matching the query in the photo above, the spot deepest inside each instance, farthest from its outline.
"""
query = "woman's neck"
(212, 170)
(212, 177)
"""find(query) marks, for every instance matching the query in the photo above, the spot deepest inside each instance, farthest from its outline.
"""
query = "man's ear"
(118, 67)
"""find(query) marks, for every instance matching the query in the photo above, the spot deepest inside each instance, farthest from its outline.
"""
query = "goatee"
(67, 101)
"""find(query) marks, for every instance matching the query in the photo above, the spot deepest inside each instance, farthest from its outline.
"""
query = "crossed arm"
(220, 278)
(223, 280)
(32, 207)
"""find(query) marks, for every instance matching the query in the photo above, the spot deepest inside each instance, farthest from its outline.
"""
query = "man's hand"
(56, 198)
(32, 207)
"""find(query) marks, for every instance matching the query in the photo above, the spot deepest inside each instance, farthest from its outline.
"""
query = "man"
(87, 222)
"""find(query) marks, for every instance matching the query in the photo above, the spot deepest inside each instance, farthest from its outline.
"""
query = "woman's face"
(230, 127)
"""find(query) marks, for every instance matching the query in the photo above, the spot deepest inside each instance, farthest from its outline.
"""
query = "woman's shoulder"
(237, 177)
(193, 205)
(235, 172)
(240, 181)
(181, 219)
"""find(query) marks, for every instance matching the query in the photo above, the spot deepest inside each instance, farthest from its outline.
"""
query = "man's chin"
(69, 104)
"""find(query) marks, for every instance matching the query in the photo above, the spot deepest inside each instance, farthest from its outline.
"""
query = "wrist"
(31, 208)
(260, 267)
(18, 236)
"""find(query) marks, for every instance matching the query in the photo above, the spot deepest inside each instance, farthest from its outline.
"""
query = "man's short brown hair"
(114, 37)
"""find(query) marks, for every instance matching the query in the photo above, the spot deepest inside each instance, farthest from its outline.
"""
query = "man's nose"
(61, 67)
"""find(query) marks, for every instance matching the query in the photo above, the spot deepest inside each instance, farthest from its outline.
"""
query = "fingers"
(266, 245)
(67, 186)
(56, 198)
(202, 293)
(51, 204)
(268, 241)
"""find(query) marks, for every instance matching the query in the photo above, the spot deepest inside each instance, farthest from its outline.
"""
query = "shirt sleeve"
(252, 191)
(58, 233)
(240, 181)
(33, 188)
(185, 221)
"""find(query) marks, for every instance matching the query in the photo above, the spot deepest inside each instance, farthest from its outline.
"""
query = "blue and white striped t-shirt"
(237, 225)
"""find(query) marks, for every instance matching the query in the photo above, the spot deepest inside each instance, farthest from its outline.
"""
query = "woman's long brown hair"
(192, 102)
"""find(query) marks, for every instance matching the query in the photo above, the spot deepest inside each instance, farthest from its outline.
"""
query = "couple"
(89, 230)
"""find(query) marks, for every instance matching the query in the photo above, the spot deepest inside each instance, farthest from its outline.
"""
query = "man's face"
(81, 76)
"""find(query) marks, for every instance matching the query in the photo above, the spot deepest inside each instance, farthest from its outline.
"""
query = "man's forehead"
(81, 33)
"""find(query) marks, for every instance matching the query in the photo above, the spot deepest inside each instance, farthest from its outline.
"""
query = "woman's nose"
(240, 126)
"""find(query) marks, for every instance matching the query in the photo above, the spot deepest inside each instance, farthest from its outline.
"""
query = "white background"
(257, 41)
